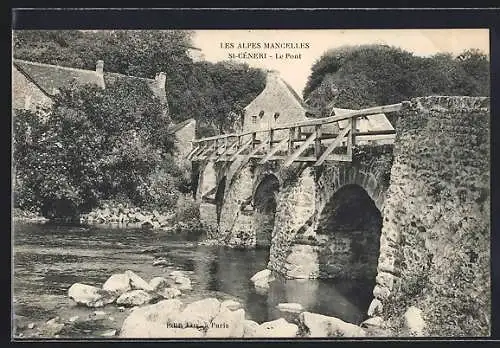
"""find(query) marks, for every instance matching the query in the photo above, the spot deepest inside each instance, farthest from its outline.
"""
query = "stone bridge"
(342, 204)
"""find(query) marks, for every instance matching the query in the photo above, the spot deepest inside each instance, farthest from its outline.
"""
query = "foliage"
(213, 94)
(187, 209)
(96, 144)
(369, 75)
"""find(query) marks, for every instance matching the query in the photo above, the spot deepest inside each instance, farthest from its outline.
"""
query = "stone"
(375, 322)
(52, 327)
(199, 313)
(182, 283)
(158, 283)
(261, 280)
(320, 325)
(375, 307)
(231, 304)
(175, 274)
(290, 307)
(109, 333)
(381, 292)
(73, 319)
(99, 315)
(136, 298)
(137, 282)
(277, 328)
(414, 321)
(90, 296)
(170, 293)
(227, 324)
(117, 283)
(160, 262)
(151, 321)
(249, 328)
(31, 325)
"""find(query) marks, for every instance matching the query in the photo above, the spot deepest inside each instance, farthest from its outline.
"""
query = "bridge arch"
(207, 179)
(265, 201)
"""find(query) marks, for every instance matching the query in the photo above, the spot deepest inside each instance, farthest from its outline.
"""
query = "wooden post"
(291, 138)
(254, 138)
(317, 141)
(299, 133)
(351, 137)
(271, 138)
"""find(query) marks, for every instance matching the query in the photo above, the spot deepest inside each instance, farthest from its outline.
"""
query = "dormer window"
(254, 119)
(276, 116)
(261, 114)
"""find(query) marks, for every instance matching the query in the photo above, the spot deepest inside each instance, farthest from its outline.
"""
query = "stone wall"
(435, 244)
(295, 208)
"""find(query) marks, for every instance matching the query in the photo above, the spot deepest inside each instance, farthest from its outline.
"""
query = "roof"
(176, 127)
(50, 78)
(367, 123)
(306, 107)
(291, 91)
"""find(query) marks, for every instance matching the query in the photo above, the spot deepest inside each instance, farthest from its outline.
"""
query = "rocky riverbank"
(127, 306)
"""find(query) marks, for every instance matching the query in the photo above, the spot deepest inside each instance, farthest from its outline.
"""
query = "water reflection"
(49, 258)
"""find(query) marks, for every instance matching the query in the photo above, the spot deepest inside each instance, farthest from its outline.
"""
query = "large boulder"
(250, 328)
(198, 313)
(261, 280)
(227, 324)
(414, 321)
(324, 326)
(137, 298)
(137, 282)
(117, 283)
(277, 328)
(89, 295)
(158, 283)
(153, 321)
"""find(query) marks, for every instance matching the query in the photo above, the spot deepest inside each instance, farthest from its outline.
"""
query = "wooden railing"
(299, 139)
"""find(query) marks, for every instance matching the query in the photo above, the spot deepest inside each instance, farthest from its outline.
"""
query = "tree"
(97, 144)
(367, 75)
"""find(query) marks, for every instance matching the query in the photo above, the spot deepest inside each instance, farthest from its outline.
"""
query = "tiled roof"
(174, 128)
(306, 107)
(49, 78)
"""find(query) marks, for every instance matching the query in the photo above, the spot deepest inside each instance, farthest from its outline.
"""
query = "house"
(279, 104)
(34, 85)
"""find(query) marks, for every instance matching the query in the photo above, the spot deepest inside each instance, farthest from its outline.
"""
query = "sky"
(315, 42)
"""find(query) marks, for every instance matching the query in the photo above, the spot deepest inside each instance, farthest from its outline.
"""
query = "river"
(49, 258)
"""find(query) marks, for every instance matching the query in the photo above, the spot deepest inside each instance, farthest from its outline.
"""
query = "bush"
(187, 209)
(96, 144)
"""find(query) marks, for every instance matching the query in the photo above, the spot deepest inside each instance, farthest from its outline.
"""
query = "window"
(254, 119)
(261, 114)
(276, 116)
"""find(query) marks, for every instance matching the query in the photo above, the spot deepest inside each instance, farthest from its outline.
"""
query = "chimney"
(161, 79)
(272, 76)
(99, 69)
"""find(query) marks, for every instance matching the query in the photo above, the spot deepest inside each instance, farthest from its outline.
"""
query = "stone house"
(34, 85)
(279, 104)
